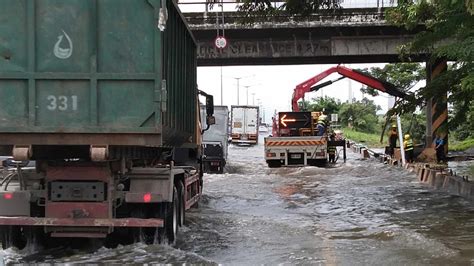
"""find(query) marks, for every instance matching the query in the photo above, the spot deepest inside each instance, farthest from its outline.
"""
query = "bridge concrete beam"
(363, 49)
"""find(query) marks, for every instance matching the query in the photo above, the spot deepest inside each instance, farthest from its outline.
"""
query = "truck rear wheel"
(143, 234)
(12, 236)
(171, 221)
(274, 163)
(317, 162)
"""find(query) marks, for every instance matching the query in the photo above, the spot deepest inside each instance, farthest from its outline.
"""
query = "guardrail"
(326, 17)
(203, 6)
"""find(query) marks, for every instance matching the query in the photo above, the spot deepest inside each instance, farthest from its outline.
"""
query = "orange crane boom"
(309, 85)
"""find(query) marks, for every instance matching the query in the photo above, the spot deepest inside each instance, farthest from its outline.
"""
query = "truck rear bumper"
(244, 141)
(81, 222)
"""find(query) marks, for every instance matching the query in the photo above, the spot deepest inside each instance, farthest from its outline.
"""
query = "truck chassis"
(96, 200)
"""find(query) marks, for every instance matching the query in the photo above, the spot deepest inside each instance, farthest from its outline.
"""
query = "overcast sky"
(272, 86)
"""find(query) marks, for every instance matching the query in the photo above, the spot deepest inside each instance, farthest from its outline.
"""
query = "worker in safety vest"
(332, 150)
(321, 125)
(408, 145)
(392, 139)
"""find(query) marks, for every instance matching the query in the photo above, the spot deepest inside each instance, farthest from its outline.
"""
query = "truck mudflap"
(81, 222)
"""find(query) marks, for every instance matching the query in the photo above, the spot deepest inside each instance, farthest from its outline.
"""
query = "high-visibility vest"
(408, 145)
(331, 149)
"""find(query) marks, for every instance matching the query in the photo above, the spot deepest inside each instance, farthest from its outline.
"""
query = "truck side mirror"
(210, 106)
(210, 120)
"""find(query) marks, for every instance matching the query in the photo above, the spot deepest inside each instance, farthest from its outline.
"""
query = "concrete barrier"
(365, 153)
(433, 175)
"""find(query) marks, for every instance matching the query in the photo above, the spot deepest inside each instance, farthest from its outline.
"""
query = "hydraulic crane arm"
(359, 76)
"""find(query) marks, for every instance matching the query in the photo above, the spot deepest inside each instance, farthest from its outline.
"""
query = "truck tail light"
(8, 196)
(271, 154)
(147, 197)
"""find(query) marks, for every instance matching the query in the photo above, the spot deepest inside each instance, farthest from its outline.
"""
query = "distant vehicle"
(244, 124)
(215, 140)
(263, 129)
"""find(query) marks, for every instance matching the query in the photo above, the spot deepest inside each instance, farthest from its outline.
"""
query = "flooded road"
(358, 213)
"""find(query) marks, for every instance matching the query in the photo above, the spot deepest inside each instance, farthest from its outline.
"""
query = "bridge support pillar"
(436, 108)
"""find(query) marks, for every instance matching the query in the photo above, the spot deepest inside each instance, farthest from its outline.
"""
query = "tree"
(328, 104)
(448, 33)
(264, 8)
(362, 114)
(402, 75)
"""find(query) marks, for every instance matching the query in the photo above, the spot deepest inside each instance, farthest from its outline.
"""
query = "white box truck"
(244, 122)
(215, 140)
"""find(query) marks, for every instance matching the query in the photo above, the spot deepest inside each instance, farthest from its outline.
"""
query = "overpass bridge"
(350, 35)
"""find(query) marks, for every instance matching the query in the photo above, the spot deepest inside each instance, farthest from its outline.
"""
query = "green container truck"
(102, 95)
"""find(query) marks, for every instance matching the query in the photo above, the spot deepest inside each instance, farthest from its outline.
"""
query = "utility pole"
(238, 90)
(238, 87)
(247, 94)
(222, 89)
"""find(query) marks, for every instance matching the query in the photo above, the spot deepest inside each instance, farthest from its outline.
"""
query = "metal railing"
(203, 6)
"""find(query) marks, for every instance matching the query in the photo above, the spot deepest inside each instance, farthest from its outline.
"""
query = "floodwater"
(356, 213)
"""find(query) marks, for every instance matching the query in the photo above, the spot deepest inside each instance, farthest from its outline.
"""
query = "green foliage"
(370, 139)
(328, 104)
(461, 145)
(402, 75)
(448, 33)
(415, 125)
(251, 9)
(362, 115)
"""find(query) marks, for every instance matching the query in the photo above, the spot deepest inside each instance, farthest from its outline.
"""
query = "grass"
(373, 140)
(461, 145)
(370, 139)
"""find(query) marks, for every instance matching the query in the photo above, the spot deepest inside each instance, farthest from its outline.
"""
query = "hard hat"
(407, 136)
(394, 125)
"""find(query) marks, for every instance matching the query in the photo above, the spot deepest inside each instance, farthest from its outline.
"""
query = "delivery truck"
(215, 140)
(244, 123)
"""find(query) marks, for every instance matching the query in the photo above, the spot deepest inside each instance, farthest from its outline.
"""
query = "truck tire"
(274, 163)
(171, 221)
(182, 204)
(317, 162)
(143, 234)
(11, 236)
(221, 167)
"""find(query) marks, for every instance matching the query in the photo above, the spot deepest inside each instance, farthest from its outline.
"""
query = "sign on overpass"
(329, 50)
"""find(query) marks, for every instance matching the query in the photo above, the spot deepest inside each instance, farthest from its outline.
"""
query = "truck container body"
(215, 140)
(103, 95)
(95, 71)
(244, 122)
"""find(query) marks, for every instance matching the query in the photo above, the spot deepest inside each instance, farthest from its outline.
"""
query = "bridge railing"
(355, 16)
(203, 6)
